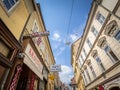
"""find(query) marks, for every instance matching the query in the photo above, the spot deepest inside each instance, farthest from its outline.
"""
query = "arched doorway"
(115, 88)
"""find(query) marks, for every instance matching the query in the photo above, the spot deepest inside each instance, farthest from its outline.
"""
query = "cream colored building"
(99, 49)
(76, 65)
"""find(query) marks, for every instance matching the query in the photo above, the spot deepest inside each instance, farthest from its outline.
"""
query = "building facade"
(76, 65)
(25, 53)
(99, 50)
(12, 22)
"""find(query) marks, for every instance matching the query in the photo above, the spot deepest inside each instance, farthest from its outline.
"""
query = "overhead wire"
(68, 29)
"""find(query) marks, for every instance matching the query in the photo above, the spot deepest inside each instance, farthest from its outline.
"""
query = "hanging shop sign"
(32, 61)
(55, 68)
(38, 34)
(51, 77)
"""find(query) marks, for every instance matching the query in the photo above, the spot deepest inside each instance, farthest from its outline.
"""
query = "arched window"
(98, 60)
(102, 43)
(87, 73)
(91, 68)
(84, 77)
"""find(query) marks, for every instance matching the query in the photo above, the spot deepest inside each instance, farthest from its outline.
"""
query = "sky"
(65, 20)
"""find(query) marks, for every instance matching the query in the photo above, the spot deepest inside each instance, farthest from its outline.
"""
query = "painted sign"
(55, 68)
(32, 55)
(38, 34)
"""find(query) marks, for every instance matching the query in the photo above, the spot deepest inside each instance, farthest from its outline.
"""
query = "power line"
(68, 28)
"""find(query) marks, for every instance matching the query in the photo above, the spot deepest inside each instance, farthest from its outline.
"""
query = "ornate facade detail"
(111, 28)
(88, 61)
(102, 42)
(94, 53)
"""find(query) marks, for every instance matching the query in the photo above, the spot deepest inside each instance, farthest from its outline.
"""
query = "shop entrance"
(114, 88)
(23, 80)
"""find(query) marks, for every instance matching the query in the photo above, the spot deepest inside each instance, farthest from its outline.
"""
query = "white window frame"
(94, 31)
(16, 2)
(100, 18)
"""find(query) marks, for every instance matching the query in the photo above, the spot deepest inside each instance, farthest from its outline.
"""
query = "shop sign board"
(32, 61)
(55, 68)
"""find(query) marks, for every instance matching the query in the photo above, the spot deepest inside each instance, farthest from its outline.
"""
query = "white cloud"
(56, 37)
(73, 37)
(66, 74)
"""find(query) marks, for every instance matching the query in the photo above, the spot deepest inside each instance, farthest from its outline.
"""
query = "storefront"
(9, 48)
(32, 68)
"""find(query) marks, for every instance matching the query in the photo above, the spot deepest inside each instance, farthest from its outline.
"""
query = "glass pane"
(113, 56)
(7, 4)
(4, 49)
(12, 2)
(2, 70)
(117, 36)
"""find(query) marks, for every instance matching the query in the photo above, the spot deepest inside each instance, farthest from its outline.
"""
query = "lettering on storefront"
(32, 55)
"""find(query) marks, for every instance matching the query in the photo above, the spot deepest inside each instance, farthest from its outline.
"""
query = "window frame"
(94, 31)
(8, 11)
(100, 64)
(117, 33)
(100, 18)
(89, 43)
(92, 70)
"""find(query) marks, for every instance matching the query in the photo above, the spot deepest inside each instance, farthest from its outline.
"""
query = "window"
(100, 18)
(94, 31)
(85, 53)
(89, 43)
(100, 64)
(5, 49)
(111, 54)
(117, 36)
(92, 70)
(9, 3)
(88, 74)
(82, 58)
(84, 78)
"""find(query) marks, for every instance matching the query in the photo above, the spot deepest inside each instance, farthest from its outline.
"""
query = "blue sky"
(64, 26)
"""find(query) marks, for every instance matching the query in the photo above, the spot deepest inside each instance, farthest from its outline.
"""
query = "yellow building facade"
(76, 65)
(24, 59)
(12, 21)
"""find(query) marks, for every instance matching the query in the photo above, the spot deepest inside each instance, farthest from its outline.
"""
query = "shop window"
(5, 49)
(100, 18)
(3, 76)
(9, 3)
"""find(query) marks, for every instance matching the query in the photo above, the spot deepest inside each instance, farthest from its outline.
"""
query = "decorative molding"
(111, 28)
(102, 42)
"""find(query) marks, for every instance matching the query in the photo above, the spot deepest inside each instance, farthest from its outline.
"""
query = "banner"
(55, 68)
